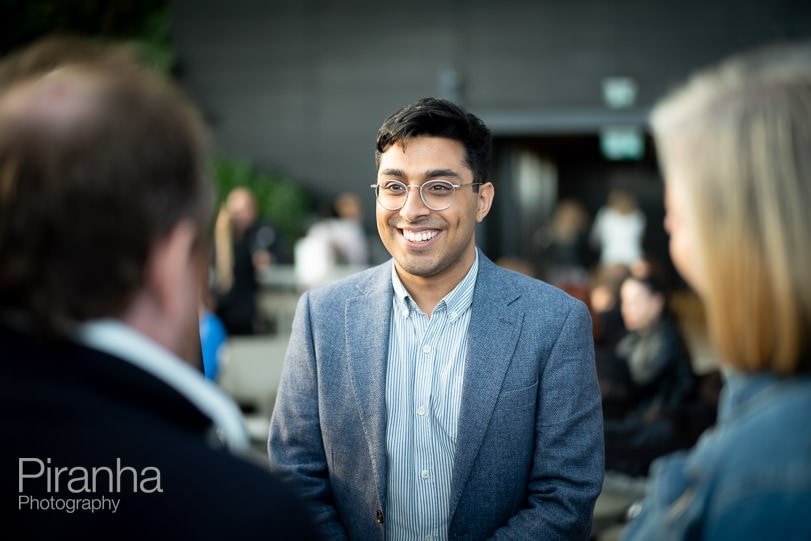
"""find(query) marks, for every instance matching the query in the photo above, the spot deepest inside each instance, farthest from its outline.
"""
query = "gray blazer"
(529, 453)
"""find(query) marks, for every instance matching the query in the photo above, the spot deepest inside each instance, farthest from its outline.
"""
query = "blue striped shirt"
(426, 364)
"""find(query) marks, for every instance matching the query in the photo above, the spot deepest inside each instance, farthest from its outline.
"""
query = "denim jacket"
(747, 478)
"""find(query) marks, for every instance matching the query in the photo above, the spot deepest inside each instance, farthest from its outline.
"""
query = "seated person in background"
(245, 245)
(604, 303)
(660, 380)
(104, 210)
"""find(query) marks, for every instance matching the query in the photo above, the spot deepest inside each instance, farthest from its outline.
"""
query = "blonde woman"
(735, 145)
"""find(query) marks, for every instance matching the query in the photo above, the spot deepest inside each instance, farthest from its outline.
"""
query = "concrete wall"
(302, 86)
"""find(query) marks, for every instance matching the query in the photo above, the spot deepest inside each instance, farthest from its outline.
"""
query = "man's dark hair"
(439, 118)
(86, 191)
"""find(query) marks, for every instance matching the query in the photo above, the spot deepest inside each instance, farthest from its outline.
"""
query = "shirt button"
(425, 474)
(426, 349)
(421, 410)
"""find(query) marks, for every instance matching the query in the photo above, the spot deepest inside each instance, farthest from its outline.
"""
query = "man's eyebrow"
(393, 172)
(434, 173)
(431, 173)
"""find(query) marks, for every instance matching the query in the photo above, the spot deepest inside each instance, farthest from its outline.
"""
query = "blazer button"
(379, 516)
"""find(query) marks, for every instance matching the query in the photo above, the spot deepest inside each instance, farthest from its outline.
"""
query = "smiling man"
(438, 396)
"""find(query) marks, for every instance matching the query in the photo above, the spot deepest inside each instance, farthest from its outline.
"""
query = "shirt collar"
(121, 341)
(457, 301)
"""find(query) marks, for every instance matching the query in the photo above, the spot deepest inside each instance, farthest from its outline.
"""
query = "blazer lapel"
(492, 338)
(368, 318)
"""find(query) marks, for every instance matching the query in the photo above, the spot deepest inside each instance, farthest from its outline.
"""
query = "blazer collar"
(368, 319)
(494, 314)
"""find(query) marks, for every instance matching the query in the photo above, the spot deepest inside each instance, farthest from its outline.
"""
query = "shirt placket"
(424, 437)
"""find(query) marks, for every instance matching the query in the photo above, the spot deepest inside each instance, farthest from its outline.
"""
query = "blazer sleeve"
(295, 446)
(567, 470)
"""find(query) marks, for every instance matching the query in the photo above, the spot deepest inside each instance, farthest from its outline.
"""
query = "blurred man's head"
(348, 207)
(103, 201)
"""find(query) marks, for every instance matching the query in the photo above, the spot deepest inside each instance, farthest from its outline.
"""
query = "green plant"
(146, 22)
(154, 41)
(145, 26)
(280, 199)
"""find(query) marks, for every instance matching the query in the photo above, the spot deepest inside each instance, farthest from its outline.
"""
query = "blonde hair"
(741, 134)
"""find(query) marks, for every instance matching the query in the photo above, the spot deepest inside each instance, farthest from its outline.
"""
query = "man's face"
(423, 242)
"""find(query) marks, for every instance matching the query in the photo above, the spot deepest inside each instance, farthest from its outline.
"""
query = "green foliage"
(280, 199)
(146, 25)
(154, 41)
(28, 20)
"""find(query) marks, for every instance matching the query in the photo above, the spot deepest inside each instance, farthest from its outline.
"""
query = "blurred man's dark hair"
(99, 157)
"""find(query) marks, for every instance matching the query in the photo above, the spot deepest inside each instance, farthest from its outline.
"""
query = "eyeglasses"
(435, 194)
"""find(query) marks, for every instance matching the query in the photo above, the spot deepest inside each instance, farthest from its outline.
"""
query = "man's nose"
(414, 207)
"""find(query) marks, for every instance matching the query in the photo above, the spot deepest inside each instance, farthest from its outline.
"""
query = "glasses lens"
(437, 194)
(392, 194)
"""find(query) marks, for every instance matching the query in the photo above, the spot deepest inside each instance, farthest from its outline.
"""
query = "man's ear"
(484, 200)
(169, 268)
(165, 308)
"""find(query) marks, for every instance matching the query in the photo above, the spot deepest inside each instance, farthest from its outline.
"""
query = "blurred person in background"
(651, 383)
(104, 217)
(334, 246)
(245, 246)
(564, 244)
(348, 236)
(734, 145)
(213, 337)
(618, 229)
(604, 302)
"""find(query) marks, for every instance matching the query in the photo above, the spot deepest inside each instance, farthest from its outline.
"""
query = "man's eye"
(394, 187)
(440, 188)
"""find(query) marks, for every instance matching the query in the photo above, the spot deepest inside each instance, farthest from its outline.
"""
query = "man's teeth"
(419, 236)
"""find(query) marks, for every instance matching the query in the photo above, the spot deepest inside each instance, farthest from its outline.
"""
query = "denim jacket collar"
(742, 390)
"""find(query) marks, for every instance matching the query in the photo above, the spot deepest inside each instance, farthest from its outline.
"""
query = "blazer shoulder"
(532, 291)
(373, 280)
